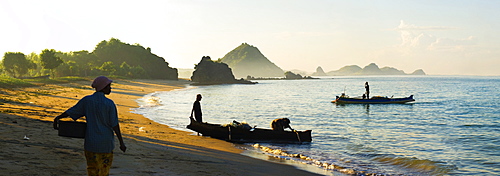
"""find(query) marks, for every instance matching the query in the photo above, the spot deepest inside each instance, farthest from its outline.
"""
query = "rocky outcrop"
(210, 72)
(291, 75)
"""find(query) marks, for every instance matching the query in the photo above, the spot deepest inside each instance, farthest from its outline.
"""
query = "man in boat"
(367, 87)
(197, 109)
(281, 124)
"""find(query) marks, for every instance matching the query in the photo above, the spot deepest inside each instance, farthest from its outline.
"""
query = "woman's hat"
(101, 82)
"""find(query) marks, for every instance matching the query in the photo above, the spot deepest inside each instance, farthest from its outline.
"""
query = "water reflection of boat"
(248, 134)
(344, 99)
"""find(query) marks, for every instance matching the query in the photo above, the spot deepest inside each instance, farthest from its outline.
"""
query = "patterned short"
(98, 164)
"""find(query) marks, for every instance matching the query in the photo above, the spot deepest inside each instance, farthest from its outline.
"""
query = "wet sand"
(156, 149)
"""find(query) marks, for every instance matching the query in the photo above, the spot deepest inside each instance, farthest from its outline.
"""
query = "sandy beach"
(30, 146)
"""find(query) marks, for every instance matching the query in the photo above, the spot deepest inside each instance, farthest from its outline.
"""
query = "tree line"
(110, 58)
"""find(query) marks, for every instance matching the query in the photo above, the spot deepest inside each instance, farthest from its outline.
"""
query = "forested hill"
(246, 60)
(134, 55)
(109, 58)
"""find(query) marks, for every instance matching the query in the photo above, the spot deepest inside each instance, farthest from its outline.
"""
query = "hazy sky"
(442, 37)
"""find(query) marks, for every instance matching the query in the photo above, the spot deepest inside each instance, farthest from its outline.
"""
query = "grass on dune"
(9, 82)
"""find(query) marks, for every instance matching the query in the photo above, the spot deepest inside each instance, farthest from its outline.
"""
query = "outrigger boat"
(244, 134)
(344, 99)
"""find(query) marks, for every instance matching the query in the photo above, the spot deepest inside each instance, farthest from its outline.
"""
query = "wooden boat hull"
(374, 100)
(233, 134)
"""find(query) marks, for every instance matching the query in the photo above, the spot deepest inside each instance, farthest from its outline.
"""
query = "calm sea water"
(453, 127)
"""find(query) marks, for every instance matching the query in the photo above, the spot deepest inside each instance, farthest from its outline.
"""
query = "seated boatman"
(281, 124)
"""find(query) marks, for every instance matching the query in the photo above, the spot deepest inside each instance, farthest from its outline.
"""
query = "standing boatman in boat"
(197, 109)
(367, 87)
(281, 124)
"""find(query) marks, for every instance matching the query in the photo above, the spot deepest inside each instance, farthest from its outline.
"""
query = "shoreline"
(153, 148)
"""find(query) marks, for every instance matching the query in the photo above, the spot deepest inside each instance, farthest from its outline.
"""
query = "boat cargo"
(247, 134)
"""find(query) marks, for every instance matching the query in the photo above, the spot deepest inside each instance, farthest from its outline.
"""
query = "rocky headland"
(209, 72)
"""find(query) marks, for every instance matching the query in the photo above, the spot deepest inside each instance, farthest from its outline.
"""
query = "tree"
(124, 70)
(108, 67)
(16, 64)
(50, 60)
(68, 68)
(137, 72)
(86, 61)
(37, 70)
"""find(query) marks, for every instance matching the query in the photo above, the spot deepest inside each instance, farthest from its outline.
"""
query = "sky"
(442, 37)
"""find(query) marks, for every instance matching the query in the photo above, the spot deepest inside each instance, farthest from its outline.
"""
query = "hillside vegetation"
(109, 58)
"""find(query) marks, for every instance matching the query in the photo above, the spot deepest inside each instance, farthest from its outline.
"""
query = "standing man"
(197, 109)
(102, 120)
(367, 87)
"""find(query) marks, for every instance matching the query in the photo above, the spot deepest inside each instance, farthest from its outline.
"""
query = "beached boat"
(241, 133)
(343, 99)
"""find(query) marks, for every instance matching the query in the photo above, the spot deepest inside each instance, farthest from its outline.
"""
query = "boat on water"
(344, 99)
(238, 133)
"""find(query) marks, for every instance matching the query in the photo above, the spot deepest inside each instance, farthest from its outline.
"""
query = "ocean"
(453, 127)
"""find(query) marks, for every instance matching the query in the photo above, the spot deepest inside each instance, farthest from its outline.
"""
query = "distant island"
(246, 60)
(288, 76)
(371, 69)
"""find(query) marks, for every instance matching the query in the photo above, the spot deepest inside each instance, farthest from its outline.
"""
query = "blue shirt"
(101, 116)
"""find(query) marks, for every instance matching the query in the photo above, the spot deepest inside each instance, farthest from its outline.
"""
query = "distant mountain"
(346, 70)
(391, 71)
(319, 72)
(418, 72)
(370, 69)
(185, 72)
(246, 60)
